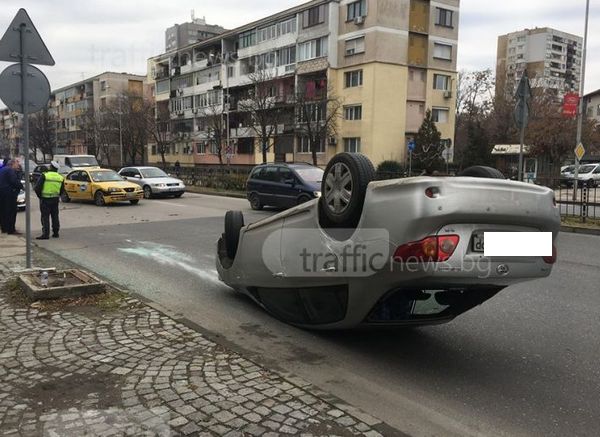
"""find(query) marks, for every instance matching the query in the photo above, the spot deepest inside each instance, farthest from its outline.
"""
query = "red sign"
(570, 105)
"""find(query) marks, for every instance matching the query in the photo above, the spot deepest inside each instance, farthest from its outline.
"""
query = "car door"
(135, 176)
(85, 186)
(72, 185)
(287, 187)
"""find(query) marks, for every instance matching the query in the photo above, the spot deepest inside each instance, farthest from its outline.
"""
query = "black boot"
(55, 235)
(42, 237)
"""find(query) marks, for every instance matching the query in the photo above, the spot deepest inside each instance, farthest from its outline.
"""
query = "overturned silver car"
(401, 252)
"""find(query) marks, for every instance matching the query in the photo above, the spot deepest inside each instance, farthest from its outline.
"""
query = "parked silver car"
(404, 251)
(154, 181)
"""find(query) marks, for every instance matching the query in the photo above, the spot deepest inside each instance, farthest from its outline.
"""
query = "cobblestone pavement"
(131, 370)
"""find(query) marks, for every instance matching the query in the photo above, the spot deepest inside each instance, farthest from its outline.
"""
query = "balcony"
(419, 16)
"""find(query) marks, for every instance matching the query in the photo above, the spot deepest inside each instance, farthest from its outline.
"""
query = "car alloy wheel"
(147, 192)
(338, 188)
(255, 202)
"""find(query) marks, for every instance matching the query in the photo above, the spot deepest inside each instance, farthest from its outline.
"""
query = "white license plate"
(477, 245)
(131, 195)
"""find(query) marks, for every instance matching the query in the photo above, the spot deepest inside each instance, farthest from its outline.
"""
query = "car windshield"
(569, 169)
(153, 172)
(586, 168)
(83, 161)
(310, 174)
(105, 176)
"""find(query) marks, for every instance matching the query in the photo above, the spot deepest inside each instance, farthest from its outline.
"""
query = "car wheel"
(134, 202)
(64, 198)
(255, 202)
(147, 192)
(303, 199)
(99, 199)
(481, 171)
(234, 222)
(344, 188)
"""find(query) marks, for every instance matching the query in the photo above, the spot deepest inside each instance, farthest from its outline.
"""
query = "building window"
(443, 17)
(313, 16)
(357, 9)
(353, 78)
(442, 51)
(355, 45)
(266, 33)
(304, 145)
(313, 49)
(247, 39)
(286, 56)
(153, 150)
(353, 112)
(598, 111)
(285, 27)
(352, 145)
(440, 115)
(102, 85)
(441, 82)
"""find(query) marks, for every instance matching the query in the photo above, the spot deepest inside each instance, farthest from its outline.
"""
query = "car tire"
(64, 198)
(134, 202)
(303, 199)
(255, 202)
(99, 199)
(481, 171)
(178, 195)
(349, 174)
(234, 222)
(147, 192)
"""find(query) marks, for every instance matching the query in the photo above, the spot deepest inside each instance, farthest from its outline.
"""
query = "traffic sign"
(411, 146)
(579, 151)
(38, 89)
(34, 48)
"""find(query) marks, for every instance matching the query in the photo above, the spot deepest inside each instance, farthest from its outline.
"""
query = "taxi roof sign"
(36, 51)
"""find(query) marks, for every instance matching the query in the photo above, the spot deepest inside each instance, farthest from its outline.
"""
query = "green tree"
(428, 147)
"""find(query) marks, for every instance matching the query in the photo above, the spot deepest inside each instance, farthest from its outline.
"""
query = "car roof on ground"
(289, 164)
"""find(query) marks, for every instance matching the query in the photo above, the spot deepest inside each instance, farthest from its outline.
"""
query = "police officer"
(48, 188)
(10, 185)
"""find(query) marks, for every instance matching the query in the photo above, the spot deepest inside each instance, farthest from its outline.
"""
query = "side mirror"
(124, 178)
(137, 176)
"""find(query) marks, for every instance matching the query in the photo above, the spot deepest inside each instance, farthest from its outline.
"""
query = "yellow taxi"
(103, 186)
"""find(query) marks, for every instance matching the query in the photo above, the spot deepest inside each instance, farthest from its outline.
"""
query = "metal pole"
(522, 141)
(25, 146)
(120, 132)
(581, 90)
(409, 163)
(227, 106)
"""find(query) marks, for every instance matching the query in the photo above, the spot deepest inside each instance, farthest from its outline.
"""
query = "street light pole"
(581, 93)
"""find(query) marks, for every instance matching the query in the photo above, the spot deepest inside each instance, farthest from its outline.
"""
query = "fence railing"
(233, 179)
(582, 202)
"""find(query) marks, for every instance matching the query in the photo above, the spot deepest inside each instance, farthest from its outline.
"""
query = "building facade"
(385, 61)
(552, 59)
(10, 133)
(68, 107)
(591, 104)
(184, 34)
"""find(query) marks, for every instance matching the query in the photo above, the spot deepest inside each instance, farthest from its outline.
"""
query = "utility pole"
(580, 114)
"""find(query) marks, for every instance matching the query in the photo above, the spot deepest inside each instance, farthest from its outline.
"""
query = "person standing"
(10, 185)
(177, 168)
(48, 188)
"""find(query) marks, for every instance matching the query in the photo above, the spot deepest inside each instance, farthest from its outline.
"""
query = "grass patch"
(576, 222)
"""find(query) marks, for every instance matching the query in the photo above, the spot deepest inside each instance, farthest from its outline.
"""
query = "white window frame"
(445, 82)
(352, 145)
(444, 17)
(356, 9)
(353, 78)
(355, 46)
(304, 145)
(437, 51)
(436, 112)
(315, 48)
(353, 112)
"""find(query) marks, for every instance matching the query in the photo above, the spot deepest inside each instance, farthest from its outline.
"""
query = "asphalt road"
(524, 363)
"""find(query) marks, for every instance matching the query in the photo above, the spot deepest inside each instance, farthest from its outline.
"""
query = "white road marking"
(167, 202)
(170, 256)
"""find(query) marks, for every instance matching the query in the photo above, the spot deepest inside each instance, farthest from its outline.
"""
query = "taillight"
(432, 192)
(551, 259)
(431, 249)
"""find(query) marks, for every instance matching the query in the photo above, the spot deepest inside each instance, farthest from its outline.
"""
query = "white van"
(77, 162)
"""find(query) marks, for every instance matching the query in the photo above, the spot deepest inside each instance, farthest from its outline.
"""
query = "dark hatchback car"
(43, 168)
(283, 185)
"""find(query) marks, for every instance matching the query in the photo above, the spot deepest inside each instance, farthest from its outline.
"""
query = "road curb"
(233, 194)
(579, 230)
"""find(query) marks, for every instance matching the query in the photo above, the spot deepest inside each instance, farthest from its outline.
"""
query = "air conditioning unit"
(359, 20)
(447, 94)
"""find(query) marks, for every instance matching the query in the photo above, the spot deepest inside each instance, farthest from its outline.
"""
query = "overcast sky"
(92, 36)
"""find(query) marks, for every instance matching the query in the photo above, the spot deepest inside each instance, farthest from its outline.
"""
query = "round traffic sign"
(37, 88)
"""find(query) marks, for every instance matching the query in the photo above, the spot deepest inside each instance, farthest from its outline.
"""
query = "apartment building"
(552, 59)
(180, 35)
(387, 61)
(591, 104)
(10, 132)
(69, 105)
